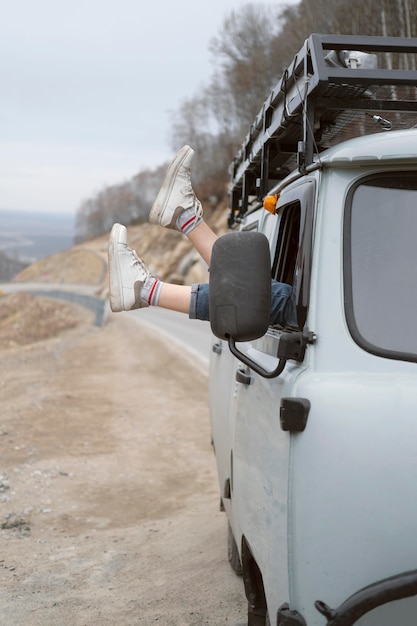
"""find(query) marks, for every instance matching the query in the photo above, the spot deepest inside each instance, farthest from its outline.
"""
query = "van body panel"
(331, 509)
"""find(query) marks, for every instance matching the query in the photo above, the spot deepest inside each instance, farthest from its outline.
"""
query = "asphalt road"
(81, 289)
(193, 335)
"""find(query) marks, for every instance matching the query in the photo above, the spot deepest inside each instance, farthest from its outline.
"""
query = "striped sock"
(188, 220)
(151, 290)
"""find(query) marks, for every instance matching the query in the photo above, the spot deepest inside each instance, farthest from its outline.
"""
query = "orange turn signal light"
(270, 203)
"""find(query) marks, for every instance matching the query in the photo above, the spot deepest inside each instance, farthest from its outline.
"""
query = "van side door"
(260, 449)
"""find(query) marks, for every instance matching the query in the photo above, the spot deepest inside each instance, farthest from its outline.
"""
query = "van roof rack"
(316, 104)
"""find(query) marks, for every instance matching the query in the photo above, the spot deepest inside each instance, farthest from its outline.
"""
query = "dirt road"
(109, 504)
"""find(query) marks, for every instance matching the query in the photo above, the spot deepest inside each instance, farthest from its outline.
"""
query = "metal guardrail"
(99, 306)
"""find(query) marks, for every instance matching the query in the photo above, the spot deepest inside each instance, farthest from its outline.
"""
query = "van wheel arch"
(233, 553)
(254, 588)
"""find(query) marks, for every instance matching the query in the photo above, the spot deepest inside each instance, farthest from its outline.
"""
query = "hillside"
(25, 319)
(167, 253)
(109, 507)
(9, 267)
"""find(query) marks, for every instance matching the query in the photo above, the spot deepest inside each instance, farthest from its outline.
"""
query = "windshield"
(381, 264)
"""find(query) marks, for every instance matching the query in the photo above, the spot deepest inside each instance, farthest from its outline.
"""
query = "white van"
(314, 424)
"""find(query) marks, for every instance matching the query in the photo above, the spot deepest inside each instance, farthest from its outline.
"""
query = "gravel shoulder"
(109, 503)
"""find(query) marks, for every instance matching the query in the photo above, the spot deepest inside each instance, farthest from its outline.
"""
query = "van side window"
(380, 258)
(292, 260)
(287, 247)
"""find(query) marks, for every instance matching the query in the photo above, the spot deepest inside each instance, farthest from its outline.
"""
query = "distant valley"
(27, 236)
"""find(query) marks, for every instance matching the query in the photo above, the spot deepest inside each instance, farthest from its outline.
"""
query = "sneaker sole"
(157, 211)
(115, 294)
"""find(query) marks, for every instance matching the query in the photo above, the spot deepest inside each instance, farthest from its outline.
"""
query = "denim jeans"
(280, 302)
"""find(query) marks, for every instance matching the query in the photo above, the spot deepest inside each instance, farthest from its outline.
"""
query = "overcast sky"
(87, 87)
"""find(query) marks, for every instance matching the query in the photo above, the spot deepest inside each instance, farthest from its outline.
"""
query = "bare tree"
(254, 46)
(243, 54)
(352, 17)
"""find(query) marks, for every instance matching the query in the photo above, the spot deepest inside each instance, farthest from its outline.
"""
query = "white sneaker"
(176, 194)
(127, 273)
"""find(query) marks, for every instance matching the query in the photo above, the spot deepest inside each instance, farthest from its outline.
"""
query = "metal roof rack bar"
(330, 80)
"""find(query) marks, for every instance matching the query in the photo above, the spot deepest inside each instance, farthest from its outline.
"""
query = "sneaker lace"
(188, 191)
(135, 259)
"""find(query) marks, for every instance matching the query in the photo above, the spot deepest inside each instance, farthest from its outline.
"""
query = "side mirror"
(240, 299)
(240, 286)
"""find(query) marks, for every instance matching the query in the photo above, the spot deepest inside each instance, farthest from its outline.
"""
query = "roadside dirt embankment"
(109, 503)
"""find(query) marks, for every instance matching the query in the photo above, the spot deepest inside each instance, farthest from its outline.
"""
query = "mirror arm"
(254, 366)
(291, 346)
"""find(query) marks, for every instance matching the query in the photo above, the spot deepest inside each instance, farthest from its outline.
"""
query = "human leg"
(280, 303)
(175, 297)
(131, 284)
(177, 207)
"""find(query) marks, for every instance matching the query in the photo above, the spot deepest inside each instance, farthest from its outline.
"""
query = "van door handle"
(243, 376)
